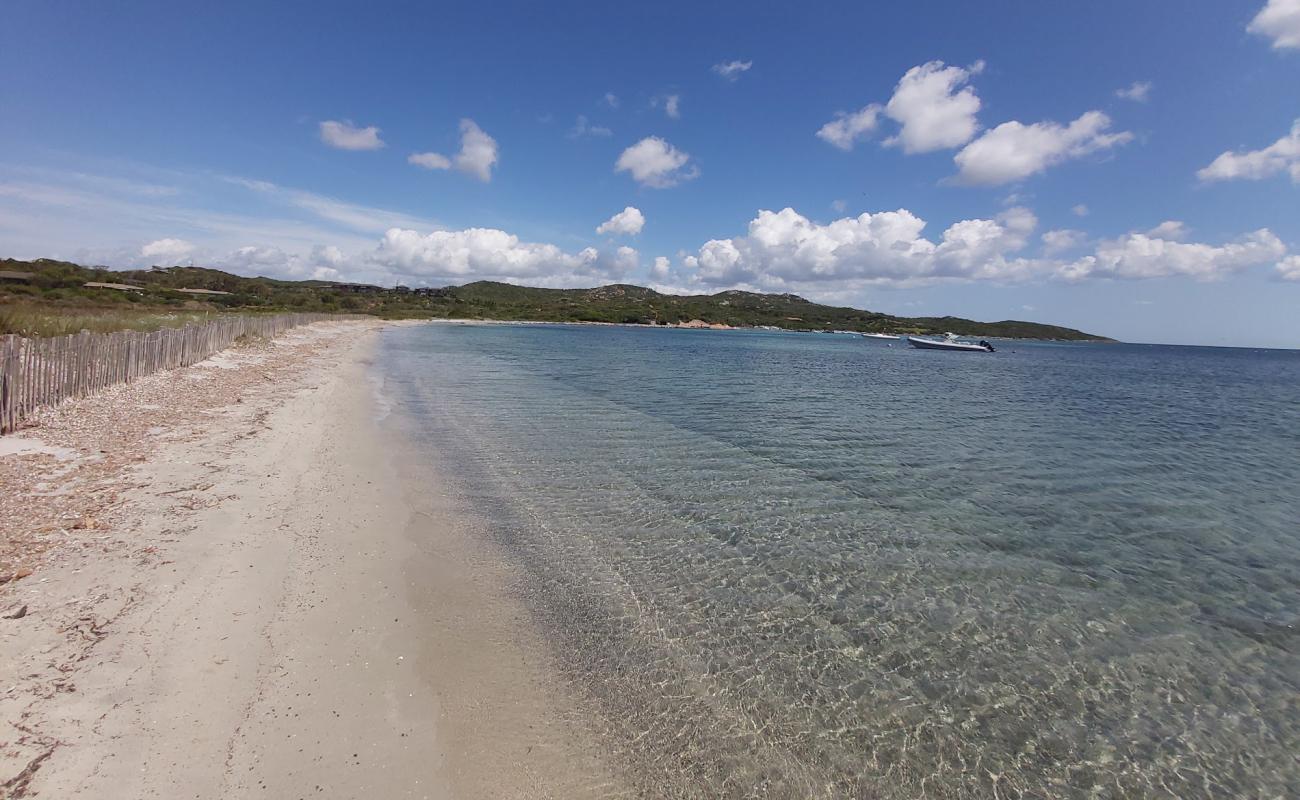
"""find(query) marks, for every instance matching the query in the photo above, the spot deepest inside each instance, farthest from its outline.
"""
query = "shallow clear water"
(801, 565)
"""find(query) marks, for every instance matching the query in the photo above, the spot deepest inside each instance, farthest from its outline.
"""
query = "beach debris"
(17, 785)
(19, 614)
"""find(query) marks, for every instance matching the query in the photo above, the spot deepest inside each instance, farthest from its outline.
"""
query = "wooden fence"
(41, 372)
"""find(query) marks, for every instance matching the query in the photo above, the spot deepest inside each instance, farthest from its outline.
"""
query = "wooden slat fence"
(40, 372)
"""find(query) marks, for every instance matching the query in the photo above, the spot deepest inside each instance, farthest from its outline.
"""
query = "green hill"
(58, 284)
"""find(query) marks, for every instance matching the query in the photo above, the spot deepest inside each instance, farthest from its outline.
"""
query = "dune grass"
(40, 320)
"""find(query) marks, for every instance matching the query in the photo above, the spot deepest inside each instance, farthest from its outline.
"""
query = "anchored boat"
(950, 342)
(881, 336)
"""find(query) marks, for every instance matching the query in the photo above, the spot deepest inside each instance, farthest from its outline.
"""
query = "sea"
(803, 565)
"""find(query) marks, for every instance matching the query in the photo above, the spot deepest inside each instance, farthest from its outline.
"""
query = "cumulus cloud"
(582, 127)
(478, 151)
(611, 100)
(1288, 269)
(783, 250)
(1278, 20)
(1138, 92)
(1281, 156)
(732, 70)
(1079, 210)
(846, 128)
(273, 262)
(1062, 240)
(167, 250)
(1013, 151)
(934, 107)
(346, 136)
(656, 163)
(429, 160)
(1150, 255)
(488, 253)
(627, 222)
(662, 268)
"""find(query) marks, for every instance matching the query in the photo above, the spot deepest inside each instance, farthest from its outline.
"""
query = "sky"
(1128, 168)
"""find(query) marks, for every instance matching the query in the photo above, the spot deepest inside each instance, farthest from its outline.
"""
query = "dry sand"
(240, 585)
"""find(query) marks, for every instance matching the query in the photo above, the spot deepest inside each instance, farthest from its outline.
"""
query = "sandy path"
(280, 611)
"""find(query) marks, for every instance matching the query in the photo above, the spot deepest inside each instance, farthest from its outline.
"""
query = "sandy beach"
(230, 581)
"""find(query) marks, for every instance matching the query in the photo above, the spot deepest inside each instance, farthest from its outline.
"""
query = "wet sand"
(273, 600)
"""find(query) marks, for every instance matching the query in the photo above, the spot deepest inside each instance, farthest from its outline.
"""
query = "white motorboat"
(881, 336)
(950, 342)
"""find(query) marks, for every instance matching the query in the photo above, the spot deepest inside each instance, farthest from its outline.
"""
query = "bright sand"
(282, 606)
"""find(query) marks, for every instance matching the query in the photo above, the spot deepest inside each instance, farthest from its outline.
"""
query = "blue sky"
(1127, 168)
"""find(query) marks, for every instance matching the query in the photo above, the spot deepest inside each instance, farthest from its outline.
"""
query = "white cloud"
(656, 163)
(429, 160)
(346, 136)
(1062, 240)
(1147, 255)
(627, 222)
(1288, 269)
(478, 151)
(662, 268)
(582, 127)
(1281, 156)
(1138, 92)
(1171, 229)
(838, 206)
(167, 250)
(611, 100)
(328, 255)
(488, 253)
(1013, 151)
(671, 106)
(732, 70)
(785, 250)
(1079, 210)
(1278, 20)
(934, 108)
(845, 129)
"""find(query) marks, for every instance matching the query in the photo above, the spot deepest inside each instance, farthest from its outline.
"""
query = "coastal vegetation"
(47, 297)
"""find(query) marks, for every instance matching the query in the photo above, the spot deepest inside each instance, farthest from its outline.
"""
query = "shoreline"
(265, 598)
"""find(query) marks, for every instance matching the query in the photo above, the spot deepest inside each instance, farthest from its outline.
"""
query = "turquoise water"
(796, 565)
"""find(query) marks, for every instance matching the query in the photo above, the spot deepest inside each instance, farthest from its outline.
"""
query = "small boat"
(950, 342)
(881, 336)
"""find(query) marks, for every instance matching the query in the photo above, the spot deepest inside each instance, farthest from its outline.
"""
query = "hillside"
(59, 284)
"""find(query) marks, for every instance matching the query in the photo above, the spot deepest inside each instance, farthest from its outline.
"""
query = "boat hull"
(934, 344)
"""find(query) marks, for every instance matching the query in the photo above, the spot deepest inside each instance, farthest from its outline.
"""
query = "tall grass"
(36, 320)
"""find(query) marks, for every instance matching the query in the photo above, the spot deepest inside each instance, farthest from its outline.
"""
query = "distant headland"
(54, 285)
